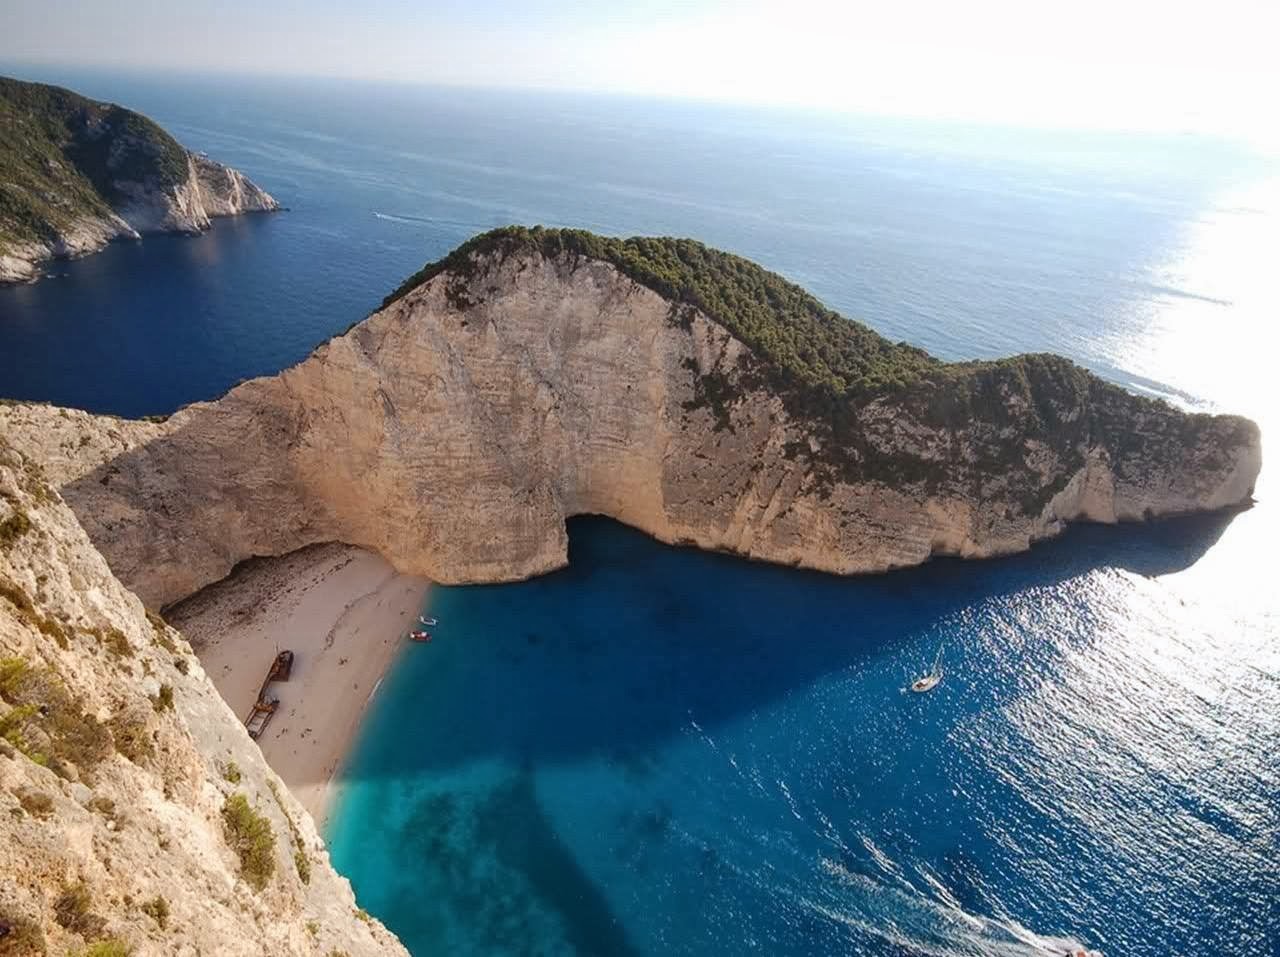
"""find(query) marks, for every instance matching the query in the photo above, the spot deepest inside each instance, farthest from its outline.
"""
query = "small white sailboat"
(929, 681)
(429, 622)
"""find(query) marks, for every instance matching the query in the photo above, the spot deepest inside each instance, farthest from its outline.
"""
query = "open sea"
(662, 752)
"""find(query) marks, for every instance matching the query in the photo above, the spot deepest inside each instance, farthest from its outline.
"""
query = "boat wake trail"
(408, 220)
(930, 923)
(871, 899)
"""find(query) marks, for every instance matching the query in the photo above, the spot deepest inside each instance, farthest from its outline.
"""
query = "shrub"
(158, 910)
(106, 948)
(78, 737)
(231, 771)
(249, 834)
(161, 629)
(41, 700)
(20, 937)
(14, 527)
(53, 628)
(36, 803)
(12, 723)
(14, 595)
(131, 736)
(72, 910)
(114, 640)
(13, 676)
(181, 664)
(27, 612)
(301, 862)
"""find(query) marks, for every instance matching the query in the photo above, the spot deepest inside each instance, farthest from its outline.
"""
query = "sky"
(1207, 66)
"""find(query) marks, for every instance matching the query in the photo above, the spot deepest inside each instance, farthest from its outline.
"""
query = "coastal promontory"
(76, 173)
(533, 375)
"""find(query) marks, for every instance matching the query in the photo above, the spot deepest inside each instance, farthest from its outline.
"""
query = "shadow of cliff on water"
(622, 649)
(499, 878)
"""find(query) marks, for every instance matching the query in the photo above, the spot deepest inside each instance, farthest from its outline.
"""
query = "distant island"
(76, 173)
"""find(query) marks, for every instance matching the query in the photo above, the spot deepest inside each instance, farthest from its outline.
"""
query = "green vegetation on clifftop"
(819, 362)
(843, 381)
(814, 346)
(64, 157)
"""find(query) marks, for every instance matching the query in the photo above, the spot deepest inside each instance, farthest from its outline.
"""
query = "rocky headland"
(76, 174)
(534, 375)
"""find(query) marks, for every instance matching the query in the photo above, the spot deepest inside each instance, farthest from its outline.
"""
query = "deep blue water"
(657, 751)
(967, 242)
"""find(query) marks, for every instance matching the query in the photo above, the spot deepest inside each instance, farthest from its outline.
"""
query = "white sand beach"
(343, 611)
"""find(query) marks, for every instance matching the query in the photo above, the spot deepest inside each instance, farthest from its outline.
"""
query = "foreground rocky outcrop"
(538, 375)
(76, 173)
(134, 809)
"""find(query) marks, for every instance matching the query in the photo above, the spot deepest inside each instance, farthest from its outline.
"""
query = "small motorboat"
(429, 622)
(419, 636)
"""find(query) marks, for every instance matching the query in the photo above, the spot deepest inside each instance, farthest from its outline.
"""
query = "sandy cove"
(343, 611)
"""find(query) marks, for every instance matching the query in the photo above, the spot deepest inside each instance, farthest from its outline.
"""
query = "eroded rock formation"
(456, 429)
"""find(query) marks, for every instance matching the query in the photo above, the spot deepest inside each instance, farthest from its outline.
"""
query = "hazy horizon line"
(797, 110)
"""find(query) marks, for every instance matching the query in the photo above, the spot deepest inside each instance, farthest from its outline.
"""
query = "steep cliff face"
(76, 173)
(209, 189)
(455, 430)
(133, 806)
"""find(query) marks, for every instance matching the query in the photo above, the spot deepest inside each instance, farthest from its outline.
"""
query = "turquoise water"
(661, 752)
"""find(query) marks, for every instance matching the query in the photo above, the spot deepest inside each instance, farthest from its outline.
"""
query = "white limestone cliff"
(456, 430)
(209, 190)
